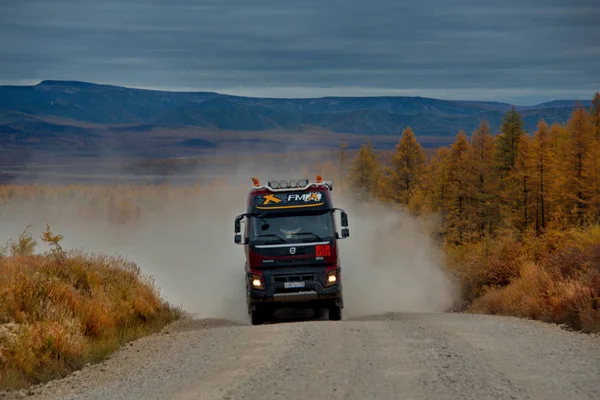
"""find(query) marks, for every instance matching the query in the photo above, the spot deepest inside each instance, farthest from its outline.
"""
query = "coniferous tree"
(543, 172)
(516, 199)
(507, 142)
(595, 114)
(558, 208)
(433, 189)
(407, 166)
(594, 121)
(457, 222)
(578, 162)
(481, 179)
(365, 173)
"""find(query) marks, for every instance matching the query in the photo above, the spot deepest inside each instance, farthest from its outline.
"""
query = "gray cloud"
(516, 50)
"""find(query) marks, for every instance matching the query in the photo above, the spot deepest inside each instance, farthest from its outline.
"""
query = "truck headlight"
(256, 282)
(331, 278)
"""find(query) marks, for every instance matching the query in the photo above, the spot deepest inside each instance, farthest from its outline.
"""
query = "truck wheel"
(257, 316)
(335, 313)
(319, 312)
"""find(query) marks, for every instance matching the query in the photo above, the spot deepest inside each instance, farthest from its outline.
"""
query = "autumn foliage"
(517, 212)
(60, 310)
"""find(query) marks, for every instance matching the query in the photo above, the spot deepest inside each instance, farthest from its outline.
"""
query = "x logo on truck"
(270, 198)
(292, 250)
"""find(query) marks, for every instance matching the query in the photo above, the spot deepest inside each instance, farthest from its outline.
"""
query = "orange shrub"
(487, 264)
(66, 309)
(560, 285)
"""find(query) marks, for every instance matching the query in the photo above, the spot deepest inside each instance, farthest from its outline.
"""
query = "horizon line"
(156, 89)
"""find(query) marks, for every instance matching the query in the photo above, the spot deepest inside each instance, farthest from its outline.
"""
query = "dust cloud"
(187, 248)
(389, 264)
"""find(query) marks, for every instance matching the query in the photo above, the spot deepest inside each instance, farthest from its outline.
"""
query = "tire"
(319, 313)
(335, 313)
(256, 317)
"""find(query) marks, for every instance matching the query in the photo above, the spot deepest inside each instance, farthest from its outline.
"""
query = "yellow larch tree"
(517, 190)
(559, 139)
(432, 193)
(594, 178)
(578, 164)
(457, 222)
(511, 130)
(364, 174)
(543, 169)
(406, 170)
(595, 115)
(480, 180)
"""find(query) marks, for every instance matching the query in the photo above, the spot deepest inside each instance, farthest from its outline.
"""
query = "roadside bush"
(553, 278)
(60, 310)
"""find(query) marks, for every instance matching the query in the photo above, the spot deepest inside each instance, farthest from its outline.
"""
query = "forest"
(517, 212)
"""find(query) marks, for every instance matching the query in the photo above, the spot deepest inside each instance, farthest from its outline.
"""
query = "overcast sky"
(519, 51)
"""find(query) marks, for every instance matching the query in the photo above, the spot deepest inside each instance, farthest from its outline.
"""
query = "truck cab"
(291, 238)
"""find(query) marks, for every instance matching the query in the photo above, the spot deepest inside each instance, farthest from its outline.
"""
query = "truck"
(290, 236)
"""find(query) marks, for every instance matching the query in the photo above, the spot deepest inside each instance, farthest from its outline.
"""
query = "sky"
(519, 51)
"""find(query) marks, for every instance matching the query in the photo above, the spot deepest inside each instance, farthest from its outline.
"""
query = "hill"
(83, 119)
(105, 104)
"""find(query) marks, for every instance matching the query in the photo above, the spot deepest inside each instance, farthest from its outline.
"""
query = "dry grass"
(60, 310)
(553, 278)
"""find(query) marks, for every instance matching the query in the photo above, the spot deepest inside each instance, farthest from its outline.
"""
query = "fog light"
(331, 278)
(257, 282)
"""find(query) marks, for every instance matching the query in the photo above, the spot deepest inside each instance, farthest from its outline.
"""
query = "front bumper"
(313, 290)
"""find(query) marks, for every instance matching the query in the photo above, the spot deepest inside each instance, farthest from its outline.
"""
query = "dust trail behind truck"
(292, 255)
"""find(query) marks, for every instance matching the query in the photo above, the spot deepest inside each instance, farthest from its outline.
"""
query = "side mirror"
(345, 229)
(344, 219)
(237, 229)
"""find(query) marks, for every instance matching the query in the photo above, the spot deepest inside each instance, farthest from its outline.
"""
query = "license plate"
(291, 285)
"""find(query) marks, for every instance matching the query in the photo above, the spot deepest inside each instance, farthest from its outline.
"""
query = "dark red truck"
(291, 244)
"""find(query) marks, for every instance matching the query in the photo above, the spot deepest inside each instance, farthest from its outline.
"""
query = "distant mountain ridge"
(117, 108)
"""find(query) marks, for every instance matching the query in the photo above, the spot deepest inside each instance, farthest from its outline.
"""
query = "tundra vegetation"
(517, 214)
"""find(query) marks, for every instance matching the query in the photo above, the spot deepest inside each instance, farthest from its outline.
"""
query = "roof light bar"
(285, 185)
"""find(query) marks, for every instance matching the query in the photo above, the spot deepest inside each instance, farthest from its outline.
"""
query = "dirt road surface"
(408, 356)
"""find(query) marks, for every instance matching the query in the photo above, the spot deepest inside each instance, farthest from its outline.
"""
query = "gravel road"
(409, 356)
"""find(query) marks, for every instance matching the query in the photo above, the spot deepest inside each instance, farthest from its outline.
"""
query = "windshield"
(291, 228)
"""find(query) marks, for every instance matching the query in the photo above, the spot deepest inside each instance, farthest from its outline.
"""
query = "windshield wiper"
(282, 240)
(310, 233)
